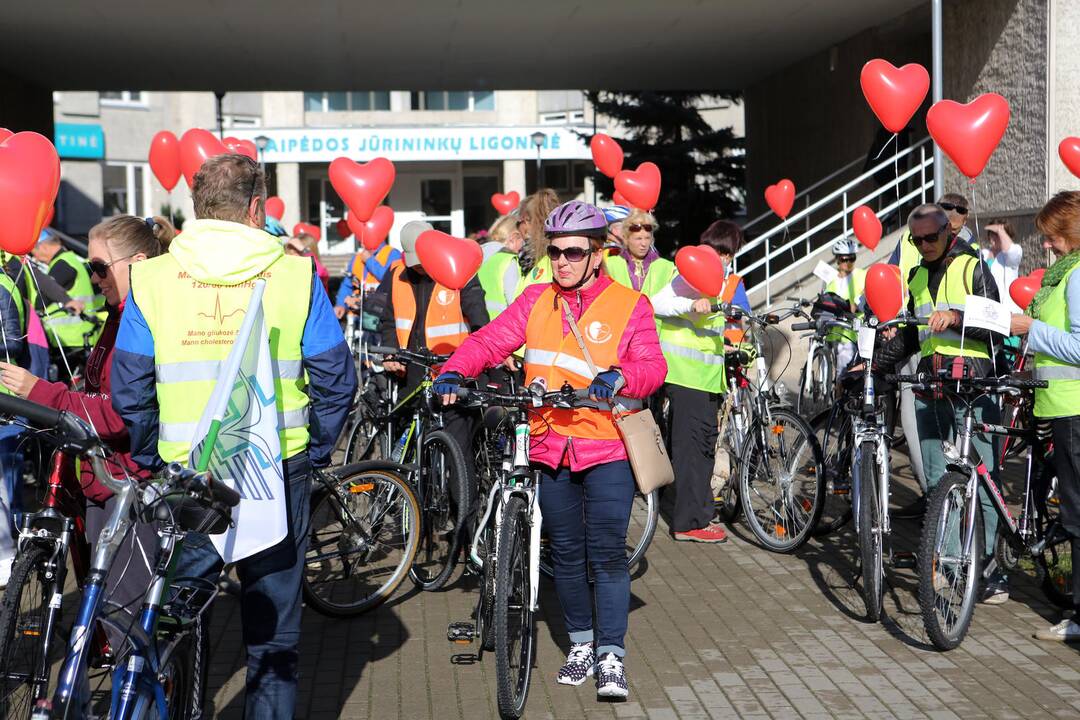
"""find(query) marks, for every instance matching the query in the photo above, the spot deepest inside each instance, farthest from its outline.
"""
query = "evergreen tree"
(702, 168)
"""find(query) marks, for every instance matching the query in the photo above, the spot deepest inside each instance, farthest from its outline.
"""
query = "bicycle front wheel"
(513, 619)
(781, 483)
(442, 466)
(950, 561)
(364, 536)
(639, 534)
(24, 658)
(870, 531)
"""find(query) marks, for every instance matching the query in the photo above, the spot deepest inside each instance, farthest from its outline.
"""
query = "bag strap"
(585, 350)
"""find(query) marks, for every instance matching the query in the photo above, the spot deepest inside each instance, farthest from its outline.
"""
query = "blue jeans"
(11, 468)
(270, 600)
(585, 515)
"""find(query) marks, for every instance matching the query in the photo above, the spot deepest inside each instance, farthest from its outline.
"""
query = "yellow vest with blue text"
(852, 292)
(1062, 397)
(62, 329)
(193, 325)
(694, 349)
(951, 295)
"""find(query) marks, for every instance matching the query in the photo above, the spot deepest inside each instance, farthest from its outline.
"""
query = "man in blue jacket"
(162, 380)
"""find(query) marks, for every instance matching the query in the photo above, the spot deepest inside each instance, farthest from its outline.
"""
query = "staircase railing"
(922, 169)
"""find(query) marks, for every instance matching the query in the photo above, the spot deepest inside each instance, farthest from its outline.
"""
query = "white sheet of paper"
(866, 342)
(983, 313)
(826, 272)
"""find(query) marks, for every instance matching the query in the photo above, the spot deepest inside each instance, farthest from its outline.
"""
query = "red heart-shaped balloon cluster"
(867, 226)
(640, 188)
(362, 186)
(607, 155)
(303, 228)
(164, 159)
(701, 267)
(196, 147)
(1022, 290)
(1069, 152)
(780, 198)
(275, 207)
(969, 133)
(242, 147)
(884, 293)
(373, 232)
(29, 181)
(894, 94)
(343, 229)
(505, 203)
(450, 261)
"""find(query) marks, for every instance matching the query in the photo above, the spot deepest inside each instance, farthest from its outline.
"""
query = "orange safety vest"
(732, 335)
(444, 325)
(557, 359)
(370, 282)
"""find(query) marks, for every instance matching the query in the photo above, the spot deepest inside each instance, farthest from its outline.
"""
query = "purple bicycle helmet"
(576, 218)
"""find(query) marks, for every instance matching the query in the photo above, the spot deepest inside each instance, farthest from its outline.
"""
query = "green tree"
(702, 168)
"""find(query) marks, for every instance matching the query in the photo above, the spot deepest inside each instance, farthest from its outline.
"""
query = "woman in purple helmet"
(587, 487)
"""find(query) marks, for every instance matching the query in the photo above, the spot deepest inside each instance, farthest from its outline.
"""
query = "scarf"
(1053, 277)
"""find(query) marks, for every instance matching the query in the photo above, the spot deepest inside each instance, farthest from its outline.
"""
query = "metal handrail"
(805, 191)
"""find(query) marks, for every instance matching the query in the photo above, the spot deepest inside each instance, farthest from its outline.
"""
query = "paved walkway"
(715, 632)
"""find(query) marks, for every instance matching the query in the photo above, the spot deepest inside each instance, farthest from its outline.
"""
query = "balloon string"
(884, 147)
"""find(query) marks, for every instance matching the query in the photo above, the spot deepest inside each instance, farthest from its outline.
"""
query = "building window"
(478, 189)
(562, 117)
(123, 97)
(346, 101)
(125, 189)
(468, 100)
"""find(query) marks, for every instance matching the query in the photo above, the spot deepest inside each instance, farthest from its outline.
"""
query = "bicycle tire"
(435, 561)
(728, 505)
(949, 493)
(178, 676)
(832, 428)
(367, 440)
(22, 632)
(870, 535)
(366, 514)
(512, 586)
(646, 507)
(802, 455)
(1055, 560)
(822, 374)
(801, 400)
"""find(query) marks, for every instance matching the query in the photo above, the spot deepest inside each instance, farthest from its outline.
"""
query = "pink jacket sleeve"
(496, 341)
(642, 362)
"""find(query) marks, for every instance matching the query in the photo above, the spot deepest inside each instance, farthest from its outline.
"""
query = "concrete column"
(514, 176)
(288, 187)
(1063, 92)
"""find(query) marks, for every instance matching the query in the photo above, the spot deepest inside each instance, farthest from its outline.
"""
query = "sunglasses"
(572, 254)
(918, 240)
(949, 207)
(845, 258)
(99, 268)
(638, 228)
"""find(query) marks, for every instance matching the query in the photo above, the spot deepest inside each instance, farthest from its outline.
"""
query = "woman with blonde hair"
(638, 265)
(531, 214)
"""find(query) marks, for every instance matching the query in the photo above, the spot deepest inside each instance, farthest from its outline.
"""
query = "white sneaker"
(611, 677)
(580, 664)
(1065, 631)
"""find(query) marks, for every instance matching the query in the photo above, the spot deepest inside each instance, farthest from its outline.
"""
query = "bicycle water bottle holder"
(189, 598)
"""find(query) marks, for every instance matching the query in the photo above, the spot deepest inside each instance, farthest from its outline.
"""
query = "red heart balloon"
(275, 207)
(343, 229)
(1037, 275)
(362, 187)
(29, 180)
(780, 198)
(1069, 151)
(702, 268)
(165, 159)
(606, 154)
(242, 147)
(894, 93)
(884, 293)
(641, 187)
(504, 204)
(970, 133)
(618, 199)
(867, 226)
(1022, 290)
(374, 231)
(196, 146)
(450, 261)
(5, 134)
(303, 228)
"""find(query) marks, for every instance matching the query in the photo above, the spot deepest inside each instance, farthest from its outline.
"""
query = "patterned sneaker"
(710, 534)
(580, 664)
(611, 677)
(1065, 631)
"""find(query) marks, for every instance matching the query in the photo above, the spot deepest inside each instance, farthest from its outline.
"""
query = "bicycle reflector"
(361, 488)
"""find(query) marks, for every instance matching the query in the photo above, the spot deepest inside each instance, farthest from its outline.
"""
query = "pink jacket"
(640, 360)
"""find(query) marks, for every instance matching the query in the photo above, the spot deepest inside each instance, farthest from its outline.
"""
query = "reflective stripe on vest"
(556, 358)
(193, 325)
(444, 325)
(951, 295)
(694, 346)
(1062, 397)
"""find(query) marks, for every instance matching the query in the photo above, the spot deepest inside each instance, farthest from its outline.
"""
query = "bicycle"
(819, 373)
(162, 662)
(506, 548)
(951, 554)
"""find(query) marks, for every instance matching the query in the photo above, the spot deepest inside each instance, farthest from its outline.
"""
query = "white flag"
(241, 424)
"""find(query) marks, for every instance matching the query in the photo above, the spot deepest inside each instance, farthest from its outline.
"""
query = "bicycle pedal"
(904, 560)
(462, 633)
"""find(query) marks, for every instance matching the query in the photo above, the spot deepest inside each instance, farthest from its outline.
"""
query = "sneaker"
(611, 677)
(1065, 631)
(996, 589)
(580, 664)
(710, 534)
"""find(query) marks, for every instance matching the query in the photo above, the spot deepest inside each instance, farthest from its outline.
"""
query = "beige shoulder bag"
(640, 433)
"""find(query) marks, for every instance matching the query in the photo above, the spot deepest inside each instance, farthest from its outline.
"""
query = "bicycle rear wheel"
(513, 620)
(870, 531)
(1055, 560)
(23, 633)
(642, 527)
(442, 465)
(833, 431)
(948, 576)
(781, 483)
(727, 501)
(364, 536)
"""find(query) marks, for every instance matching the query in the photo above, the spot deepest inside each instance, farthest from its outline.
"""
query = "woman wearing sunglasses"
(114, 245)
(639, 265)
(587, 487)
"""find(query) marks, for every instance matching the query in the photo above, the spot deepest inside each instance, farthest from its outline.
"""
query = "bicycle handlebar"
(73, 431)
(989, 383)
(526, 398)
(201, 483)
(416, 357)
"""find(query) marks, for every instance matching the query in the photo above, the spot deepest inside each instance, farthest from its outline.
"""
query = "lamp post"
(261, 141)
(538, 138)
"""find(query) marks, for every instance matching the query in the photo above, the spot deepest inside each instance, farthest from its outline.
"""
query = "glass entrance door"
(433, 197)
